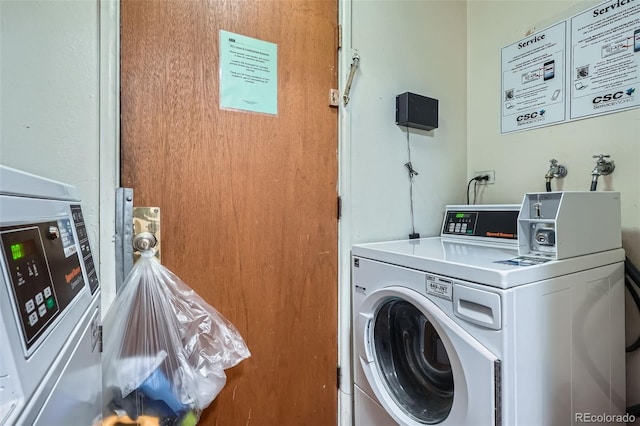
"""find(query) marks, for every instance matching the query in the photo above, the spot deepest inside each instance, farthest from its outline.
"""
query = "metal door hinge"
(339, 207)
(339, 36)
(339, 375)
(100, 345)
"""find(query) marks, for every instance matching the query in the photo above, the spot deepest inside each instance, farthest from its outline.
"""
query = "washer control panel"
(481, 221)
(45, 276)
(460, 223)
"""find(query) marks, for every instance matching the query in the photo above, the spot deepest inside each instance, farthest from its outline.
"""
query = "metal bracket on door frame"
(124, 234)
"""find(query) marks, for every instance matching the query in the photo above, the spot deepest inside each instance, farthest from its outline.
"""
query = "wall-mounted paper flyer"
(533, 80)
(248, 74)
(605, 49)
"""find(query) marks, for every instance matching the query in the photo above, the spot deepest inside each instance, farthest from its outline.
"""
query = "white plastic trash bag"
(165, 348)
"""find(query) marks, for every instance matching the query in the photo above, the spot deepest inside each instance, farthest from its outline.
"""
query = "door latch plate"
(147, 219)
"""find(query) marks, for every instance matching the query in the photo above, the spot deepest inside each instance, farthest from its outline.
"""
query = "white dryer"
(462, 330)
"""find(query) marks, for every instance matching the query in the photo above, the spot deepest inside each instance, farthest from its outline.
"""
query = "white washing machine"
(463, 329)
(50, 370)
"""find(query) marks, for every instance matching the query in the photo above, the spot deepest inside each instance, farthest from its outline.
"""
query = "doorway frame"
(345, 390)
(109, 145)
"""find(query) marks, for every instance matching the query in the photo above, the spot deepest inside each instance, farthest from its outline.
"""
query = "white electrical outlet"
(490, 173)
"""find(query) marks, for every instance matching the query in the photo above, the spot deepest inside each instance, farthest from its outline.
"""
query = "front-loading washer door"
(422, 366)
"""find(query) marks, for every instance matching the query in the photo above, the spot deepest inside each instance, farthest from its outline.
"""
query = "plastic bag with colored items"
(165, 350)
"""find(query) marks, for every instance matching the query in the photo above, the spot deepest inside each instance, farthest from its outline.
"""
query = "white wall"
(55, 80)
(521, 159)
(406, 46)
(49, 85)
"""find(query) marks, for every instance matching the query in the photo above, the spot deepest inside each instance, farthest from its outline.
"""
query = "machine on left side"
(50, 325)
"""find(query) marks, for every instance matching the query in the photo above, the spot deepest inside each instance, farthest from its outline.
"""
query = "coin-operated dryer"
(50, 371)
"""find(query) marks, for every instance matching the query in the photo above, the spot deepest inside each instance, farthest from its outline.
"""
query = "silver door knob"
(144, 241)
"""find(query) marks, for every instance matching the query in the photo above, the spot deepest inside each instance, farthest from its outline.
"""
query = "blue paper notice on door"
(248, 74)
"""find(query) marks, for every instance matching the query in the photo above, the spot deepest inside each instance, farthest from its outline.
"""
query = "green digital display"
(20, 250)
(17, 251)
(459, 215)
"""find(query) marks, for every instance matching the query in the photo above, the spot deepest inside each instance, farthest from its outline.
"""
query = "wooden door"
(248, 201)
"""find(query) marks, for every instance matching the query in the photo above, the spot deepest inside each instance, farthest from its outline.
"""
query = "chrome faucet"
(603, 167)
(555, 171)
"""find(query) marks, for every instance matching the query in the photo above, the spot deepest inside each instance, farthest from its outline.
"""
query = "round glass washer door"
(412, 361)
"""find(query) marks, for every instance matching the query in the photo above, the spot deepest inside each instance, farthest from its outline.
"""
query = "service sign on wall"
(585, 66)
(605, 43)
(533, 80)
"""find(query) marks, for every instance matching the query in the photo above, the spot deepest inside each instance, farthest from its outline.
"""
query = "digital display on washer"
(482, 223)
(22, 249)
(460, 223)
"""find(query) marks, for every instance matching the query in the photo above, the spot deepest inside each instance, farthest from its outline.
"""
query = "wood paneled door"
(248, 200)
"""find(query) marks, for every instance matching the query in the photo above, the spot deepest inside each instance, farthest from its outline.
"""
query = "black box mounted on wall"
(416, 111)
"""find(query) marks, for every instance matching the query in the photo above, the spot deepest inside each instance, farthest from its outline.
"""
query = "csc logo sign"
(608, 97)
(530, 116)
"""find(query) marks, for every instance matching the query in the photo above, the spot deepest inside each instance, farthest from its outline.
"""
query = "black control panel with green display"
(44, 269)
(460, 223)
(482, 223)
